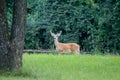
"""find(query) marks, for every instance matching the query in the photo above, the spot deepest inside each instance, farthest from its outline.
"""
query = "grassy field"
(67, 67)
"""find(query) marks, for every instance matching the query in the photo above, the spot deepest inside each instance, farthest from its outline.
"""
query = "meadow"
(66, 67)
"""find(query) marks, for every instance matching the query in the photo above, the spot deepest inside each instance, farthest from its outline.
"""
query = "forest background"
(93, 24)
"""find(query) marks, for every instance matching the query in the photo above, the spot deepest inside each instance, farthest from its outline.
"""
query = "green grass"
(67, 67)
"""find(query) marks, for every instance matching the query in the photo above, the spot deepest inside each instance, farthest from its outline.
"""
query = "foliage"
(109, 26)
(93, 24)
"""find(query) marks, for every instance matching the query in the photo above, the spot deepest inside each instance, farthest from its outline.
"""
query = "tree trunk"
(4, 43)
(11, 48)
(18, 31)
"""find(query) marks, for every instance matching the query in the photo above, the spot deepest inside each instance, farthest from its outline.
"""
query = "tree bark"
(4, 43)
(18, 31)
(11, 48)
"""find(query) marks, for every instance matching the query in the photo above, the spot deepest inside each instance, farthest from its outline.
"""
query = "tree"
(11, 45)
(70, 16)
(93, 24)
(108, 26)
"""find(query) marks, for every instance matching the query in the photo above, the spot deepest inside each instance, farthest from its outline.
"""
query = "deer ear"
(58, 34)
(52, 34)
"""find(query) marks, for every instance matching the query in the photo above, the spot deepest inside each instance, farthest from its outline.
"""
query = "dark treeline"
(93, 24)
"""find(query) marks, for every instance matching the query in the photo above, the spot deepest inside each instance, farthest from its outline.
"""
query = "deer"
(64, 47)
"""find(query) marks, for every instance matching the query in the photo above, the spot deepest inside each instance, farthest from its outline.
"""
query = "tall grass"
(67, 67)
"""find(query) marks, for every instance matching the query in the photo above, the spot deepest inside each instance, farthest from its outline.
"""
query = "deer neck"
(56, 42)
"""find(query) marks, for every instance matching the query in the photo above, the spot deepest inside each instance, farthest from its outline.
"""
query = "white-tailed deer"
(65, 47)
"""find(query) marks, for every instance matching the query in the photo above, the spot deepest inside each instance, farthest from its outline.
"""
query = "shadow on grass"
(13, 73)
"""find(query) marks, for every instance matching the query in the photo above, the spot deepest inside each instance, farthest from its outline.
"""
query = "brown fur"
(65, 47)
(68, 47)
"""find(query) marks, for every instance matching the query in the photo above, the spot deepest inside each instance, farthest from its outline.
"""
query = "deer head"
(55, 36)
